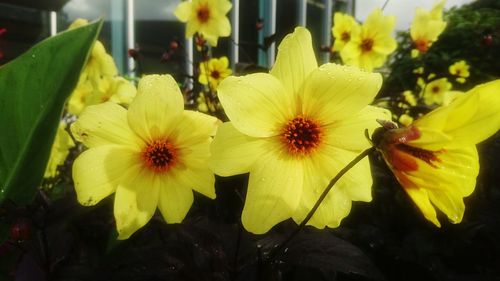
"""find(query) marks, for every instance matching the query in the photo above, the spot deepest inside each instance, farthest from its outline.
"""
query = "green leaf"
(33, 90)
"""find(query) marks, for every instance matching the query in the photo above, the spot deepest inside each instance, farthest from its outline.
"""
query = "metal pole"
(189, 62)
(130, 36)
(302, 13)
(326, 26)
(53, 23)
(235, 26)
(117, 33)
(271, 24)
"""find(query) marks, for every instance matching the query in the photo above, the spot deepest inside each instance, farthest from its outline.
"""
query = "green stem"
(323, 195)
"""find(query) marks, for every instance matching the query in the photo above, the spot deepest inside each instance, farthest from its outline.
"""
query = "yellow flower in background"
(435, 159)
(460, 69)
(154, 154)
(98, 81)
(215, 70)
(370, 48)
(344, 27)
(409, 98)
(434, 91)
(405, 120)
(205, 17)
(293, 130)
(426, 28)
(60, 149)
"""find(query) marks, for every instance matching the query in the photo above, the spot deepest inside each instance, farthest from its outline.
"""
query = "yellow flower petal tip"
(205, 17)
(435, 158)
(293, 130)
(152, 155)
(369, 48)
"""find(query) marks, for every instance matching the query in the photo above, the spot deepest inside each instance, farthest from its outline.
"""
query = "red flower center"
(203, 13)
(159, 156)
(367, 45)
(435, 89)
(346, 36)
(422, 45)
(215, 74)
(301, 135)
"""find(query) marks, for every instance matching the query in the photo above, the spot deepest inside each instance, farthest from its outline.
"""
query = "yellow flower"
(152, 155)
(435, 159)
(60, 149)
(293, 130)
(405, 120)
(215, 70)
(409, 97)
(418, 70)
(205, 17)
(344, 27)
(434, 91)
(370, 48)
(460, 69)
(426, 28)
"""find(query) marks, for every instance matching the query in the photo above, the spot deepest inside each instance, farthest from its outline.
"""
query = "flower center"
(215, 74)
(435, 89)
(422, 45)
(367, 45)
(203, 13)
(159, 156)
(346, 36)
(301, 135)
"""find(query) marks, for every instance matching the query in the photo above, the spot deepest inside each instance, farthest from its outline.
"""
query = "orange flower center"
(203, 13)
(422, 45)
(435, 89)
(301, 135)
(215, 74)
(159, 156)
(346, 36)
(367, 45)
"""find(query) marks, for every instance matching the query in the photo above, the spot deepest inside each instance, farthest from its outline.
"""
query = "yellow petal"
(175, 200)
(295, 60)
(421, 199)
(135, 201)
(233, 152)
(183, 11)
(349, 134)
(334, 92)
(449, 202)
(274, 191)
(104, 124)
(157, 107)
(257, 104)
(98, 171)
(193, 128)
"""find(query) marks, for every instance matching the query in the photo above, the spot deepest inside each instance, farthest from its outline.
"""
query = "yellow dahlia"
(426, 28)
(460, 69)
(293, 130)
(215, 70)
(435, 158)
(434, 92)
(205, 17)
(154, 154)
(60, 149)
(344, 27)
(370, 48)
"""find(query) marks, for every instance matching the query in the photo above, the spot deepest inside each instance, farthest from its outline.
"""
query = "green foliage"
(471, 34)
(33, 90)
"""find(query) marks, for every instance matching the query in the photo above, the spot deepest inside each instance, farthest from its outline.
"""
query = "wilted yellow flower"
(215, 70)
(370, 48)
(344, 27)
(434, 91)
(152, 155)
(293, 130)
(426, 28)
(435, 159)
(205, 17)
(460, 69)
(60, 149)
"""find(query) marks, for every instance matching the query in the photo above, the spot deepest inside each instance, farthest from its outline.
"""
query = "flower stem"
(277, 251)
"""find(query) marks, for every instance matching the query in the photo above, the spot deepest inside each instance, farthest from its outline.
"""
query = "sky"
(404, 10)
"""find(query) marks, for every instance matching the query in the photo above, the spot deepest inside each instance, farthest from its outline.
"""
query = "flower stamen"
(367, 45)
(203, 13)
(159, 156)
(301, 135)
